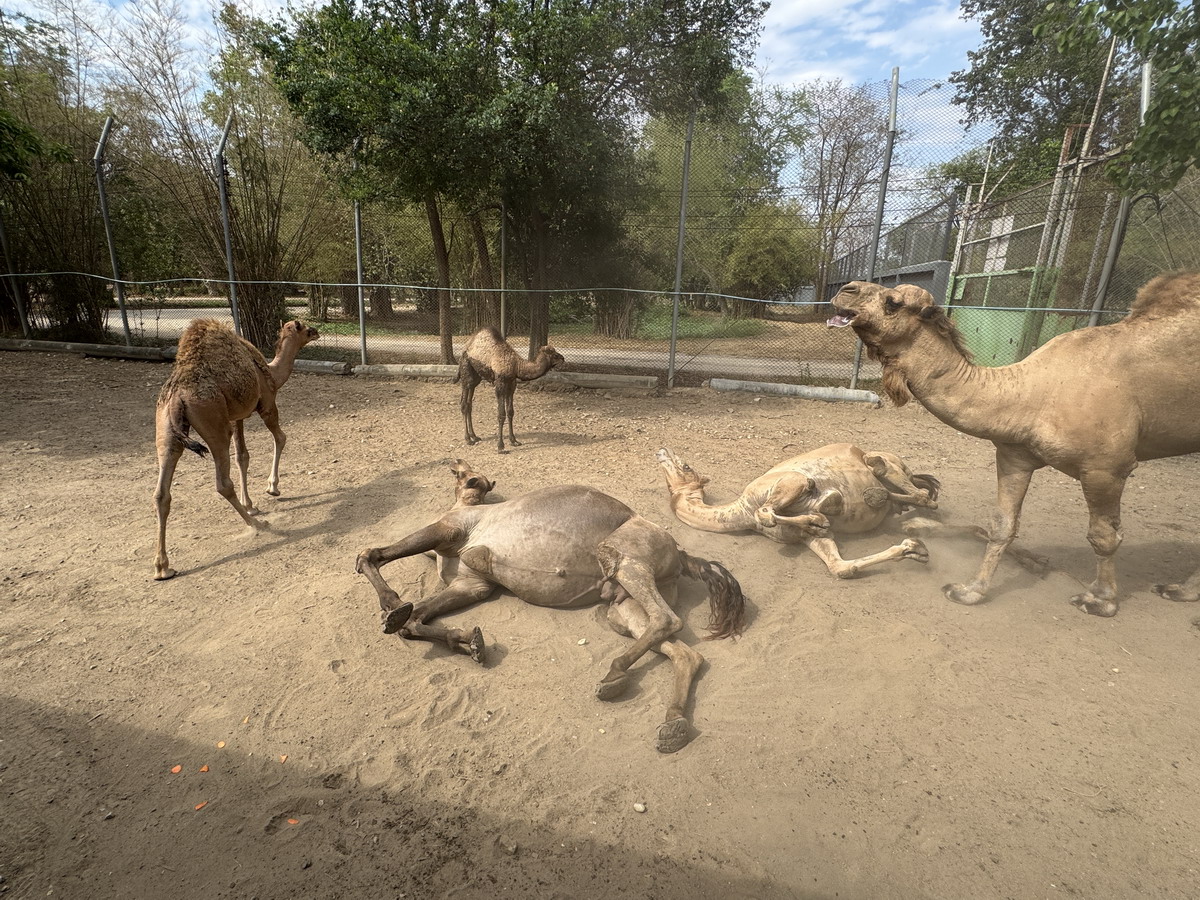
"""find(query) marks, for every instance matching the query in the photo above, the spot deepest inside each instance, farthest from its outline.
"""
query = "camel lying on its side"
(1092, 403)
(834, 489)
(562, 547)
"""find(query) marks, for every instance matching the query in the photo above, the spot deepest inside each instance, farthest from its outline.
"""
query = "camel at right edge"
(1091, 403)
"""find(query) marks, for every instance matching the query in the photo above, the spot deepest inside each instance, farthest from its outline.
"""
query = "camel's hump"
(1168, 295)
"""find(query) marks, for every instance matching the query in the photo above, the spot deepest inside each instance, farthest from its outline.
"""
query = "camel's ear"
(460, 467)
(929, 313)
(891, 304)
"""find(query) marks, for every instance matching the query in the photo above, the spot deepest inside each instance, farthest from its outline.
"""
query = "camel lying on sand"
(562, 547)
(838, 488)
(1091, 403)
(218, 380)
(488, 357)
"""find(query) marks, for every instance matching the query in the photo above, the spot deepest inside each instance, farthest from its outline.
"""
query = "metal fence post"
(118, 287)
(503, 270)
(358, 269)
(223, 192)
(683, 195)
(873, 250)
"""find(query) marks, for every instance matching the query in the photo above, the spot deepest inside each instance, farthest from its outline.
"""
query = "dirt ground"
(862, 739)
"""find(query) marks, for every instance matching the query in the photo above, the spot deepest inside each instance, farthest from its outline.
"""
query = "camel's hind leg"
(243, 461)
(1188, 592)
(169, 452)
(629, 618)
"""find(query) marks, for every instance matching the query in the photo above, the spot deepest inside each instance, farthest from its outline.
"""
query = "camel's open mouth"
(840, 318)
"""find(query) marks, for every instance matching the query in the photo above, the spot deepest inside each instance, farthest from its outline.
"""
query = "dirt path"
(863, 739)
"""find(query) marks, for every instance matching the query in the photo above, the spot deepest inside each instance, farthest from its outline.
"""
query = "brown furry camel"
(217, 381)
(1091, 403)
(562, 547)
(488, 357)
(802, 500)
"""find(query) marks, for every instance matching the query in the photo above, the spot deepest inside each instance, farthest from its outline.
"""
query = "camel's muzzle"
(840, 318)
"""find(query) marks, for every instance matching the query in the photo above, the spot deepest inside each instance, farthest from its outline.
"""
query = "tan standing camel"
(218, 380)
(488, 357)
(803, 500)
(1090, 403)
(562, 547)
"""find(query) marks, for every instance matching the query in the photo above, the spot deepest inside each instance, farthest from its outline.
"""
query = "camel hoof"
(915, 550)
(611, 690)
(672, 736)
(1094, 606)
(1175, 592)
(253, 510)
(274, 492)
(395, 619)
(477, 646)
(164, 574)
(514, 442)
(472, 440)
(964, 594)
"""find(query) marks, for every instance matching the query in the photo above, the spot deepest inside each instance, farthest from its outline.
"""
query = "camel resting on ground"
(217, 381)
(834, 489)
(1091, 403)
(562, 547)
(488, 357)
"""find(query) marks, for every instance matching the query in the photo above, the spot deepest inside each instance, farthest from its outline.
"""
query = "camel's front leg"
(904, 488)
(504, 388)
(508, 413)
(1102, 491)
(462, 591)
(1188, 592)
(470, 380)
(368, 562)
(243, 461)
(1013, 472)
(827, 549)
(270, 416)
(919, 526)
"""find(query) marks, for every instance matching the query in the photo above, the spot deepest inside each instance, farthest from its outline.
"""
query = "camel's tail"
(928, 484)
(180, 427)
(726, 602)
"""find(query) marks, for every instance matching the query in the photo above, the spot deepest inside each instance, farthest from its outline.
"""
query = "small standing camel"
(488, 357)
(218, 380)
(1091, 403)
(562, 547)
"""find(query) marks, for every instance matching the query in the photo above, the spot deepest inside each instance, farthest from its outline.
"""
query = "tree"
(1167, 34)
(843, 161)
(1031, 88)
(454, 103)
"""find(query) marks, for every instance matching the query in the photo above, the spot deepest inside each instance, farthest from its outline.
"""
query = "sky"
(861, 40)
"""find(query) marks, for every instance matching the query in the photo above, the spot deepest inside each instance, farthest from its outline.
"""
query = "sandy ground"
(862, 739)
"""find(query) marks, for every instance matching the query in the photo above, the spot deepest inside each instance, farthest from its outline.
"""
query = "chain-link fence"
(801, 192)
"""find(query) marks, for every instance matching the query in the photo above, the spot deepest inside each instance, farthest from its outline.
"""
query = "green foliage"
(1167, 33)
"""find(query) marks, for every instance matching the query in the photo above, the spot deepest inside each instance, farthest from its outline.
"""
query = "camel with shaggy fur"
(218, 380)
(1091, 403)
(562, 547)
(488, 357)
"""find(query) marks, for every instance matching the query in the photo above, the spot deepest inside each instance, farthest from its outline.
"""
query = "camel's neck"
(283, 363)
(691, 508)
(528, 370)
(990, 402)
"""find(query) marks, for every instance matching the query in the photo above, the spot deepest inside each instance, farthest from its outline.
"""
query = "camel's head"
(883, 317)
(299, 332)
(680, 476)
(553, 358)
(470, 488)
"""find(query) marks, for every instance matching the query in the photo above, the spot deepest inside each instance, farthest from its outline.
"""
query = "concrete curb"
(808, 392)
